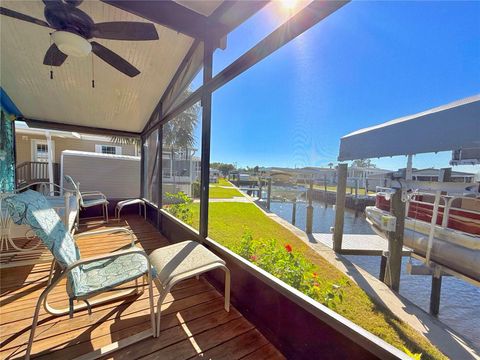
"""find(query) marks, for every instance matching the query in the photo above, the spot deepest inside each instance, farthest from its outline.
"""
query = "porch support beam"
(295, 26)
(142, 167)
(52, 125)
(206, 134)
(243, 10)
(159, 173)
(154, 118)
(174, 16)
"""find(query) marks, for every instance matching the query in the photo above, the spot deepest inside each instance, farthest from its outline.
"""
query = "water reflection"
(460, 301)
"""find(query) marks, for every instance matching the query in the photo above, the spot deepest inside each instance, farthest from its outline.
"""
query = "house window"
(108, 149)
(40, 150)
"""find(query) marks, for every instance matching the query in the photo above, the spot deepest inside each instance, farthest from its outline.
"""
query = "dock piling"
(269, 192)
(309, 226)
(294, 211)
(340, 206)
(395, 242)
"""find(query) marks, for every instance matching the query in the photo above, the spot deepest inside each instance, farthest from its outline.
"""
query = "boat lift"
(452, 127)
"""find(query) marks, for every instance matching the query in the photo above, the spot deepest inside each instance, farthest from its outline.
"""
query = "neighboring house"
(433, 174)
(32, 150)
(214, 175)
(361, 174)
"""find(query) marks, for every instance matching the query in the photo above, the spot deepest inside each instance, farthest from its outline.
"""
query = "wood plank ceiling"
(117, 102)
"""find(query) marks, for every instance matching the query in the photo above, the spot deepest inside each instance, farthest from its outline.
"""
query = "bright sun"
(289, 4)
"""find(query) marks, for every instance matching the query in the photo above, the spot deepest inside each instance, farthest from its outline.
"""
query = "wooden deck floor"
(194, 323)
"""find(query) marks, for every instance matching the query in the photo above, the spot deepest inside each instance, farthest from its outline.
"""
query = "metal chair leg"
(227, 288)
(161, 297)
(40, 300)
(152, 309)
(50, 274)
(106, 213)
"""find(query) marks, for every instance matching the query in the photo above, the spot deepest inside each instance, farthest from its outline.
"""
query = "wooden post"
(435, 294)
(356, 188)
(260, 189)
(395, 242)
(366, 187)
(309, 226)
(383, 266)
(325, 185)
(436, 291)
(294, 211)
(269, 193)
(340, 206)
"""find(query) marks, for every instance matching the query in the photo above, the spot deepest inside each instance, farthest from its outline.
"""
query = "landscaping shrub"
(196, 189)
(291, 267)
(179, 206)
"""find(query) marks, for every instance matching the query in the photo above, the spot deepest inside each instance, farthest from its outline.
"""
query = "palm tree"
(178, 133)
(125, 140)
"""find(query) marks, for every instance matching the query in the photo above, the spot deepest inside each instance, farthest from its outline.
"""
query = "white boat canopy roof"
(448, 127)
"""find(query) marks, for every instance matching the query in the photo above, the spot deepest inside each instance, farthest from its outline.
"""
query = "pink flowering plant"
(290, 266)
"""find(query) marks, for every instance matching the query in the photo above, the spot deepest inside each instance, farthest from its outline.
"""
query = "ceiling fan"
(74, 28)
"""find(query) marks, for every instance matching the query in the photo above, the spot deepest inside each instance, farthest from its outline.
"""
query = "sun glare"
(289, 4)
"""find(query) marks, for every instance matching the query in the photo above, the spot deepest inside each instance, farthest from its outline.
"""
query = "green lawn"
(224, 182)
(227, 223)
(217, 192)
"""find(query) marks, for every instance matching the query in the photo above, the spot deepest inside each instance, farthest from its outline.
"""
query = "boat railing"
(444, 210)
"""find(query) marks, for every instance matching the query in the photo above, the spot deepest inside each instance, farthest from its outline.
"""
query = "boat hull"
(454, 249)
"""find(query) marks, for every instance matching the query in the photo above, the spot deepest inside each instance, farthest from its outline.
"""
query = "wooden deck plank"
(235, 348)
(191, 314)
(266, 352)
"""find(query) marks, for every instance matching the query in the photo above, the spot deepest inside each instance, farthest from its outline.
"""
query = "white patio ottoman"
(121, 204)
(181, 261)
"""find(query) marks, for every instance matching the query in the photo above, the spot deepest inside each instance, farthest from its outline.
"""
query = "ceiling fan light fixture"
(71, 44)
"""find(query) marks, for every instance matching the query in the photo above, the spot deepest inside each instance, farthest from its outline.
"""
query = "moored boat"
(456, 236)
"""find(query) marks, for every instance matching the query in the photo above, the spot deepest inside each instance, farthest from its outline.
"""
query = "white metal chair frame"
(86, 194)
(6, 222)
(165, 288)
(53, 281)
(119, 207)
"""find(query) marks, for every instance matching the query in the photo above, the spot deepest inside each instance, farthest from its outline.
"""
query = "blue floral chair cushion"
(107, 274)
(32, 208)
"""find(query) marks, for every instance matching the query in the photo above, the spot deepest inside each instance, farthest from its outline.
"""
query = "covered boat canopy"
(449, 127)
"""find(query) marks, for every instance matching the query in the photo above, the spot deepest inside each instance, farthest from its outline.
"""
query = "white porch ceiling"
(117, 102)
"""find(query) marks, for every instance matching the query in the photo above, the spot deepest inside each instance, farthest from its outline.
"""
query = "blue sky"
(367, 63)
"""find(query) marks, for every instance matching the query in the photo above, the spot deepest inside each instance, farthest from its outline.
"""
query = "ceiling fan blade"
(125, 30)
(114, 60)
(20, 16)
(54, 56)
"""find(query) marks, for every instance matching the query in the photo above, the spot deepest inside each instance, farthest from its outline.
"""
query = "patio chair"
(85, 277)
(87, 198)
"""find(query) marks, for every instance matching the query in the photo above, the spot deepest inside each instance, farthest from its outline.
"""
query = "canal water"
(460, 301)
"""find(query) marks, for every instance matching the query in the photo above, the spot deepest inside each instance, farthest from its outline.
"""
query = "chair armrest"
(97, 195)
(133, 250)
(107, 231)
(93, 193)
(112, 255)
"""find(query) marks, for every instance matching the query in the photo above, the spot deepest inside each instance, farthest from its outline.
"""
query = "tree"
(125, 140)
(366, 163)
(178, 133)
(222, 167)
(330, 165)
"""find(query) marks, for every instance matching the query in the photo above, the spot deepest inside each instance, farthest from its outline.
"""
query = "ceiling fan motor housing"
(71, 44)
